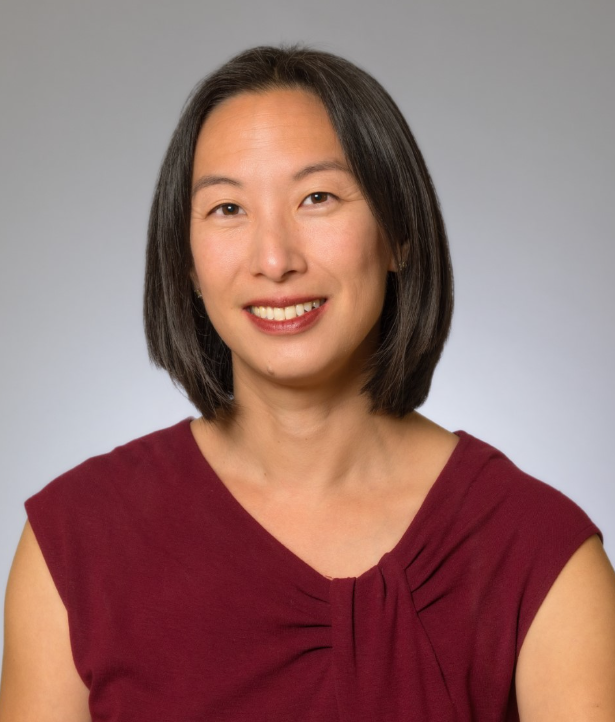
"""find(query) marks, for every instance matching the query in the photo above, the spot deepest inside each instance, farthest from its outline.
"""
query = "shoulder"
(499, 486)
(81, 515)
(528, 529)
(503, 543)
(489, 500)
(139, 459)
(535, 518)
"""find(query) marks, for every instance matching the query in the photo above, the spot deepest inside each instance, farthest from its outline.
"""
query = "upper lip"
(283, 301)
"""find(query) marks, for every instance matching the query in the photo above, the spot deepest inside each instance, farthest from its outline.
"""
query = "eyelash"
(215, 210)
(235, 205)
(319, 193)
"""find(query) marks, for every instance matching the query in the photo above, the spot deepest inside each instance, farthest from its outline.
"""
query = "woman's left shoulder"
(497, 482)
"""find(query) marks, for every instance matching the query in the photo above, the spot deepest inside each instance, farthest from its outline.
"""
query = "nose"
(277, 251)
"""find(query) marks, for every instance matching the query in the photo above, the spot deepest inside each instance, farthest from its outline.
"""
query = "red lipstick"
(290, 325)
(282, 301)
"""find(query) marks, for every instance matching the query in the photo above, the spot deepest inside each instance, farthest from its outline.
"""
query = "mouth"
(285, 313)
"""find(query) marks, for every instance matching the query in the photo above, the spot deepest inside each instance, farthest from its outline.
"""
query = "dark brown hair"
(387, 163)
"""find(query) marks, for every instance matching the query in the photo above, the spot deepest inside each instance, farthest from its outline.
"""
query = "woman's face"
(279, 227)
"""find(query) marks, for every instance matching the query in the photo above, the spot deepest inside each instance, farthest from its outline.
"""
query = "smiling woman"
(310, 547)
(368, 143)
(285, 226)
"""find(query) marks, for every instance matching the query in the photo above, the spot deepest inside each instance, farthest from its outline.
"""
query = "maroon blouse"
(183, 608)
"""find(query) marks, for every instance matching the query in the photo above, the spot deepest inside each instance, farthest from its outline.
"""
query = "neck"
(309, 443)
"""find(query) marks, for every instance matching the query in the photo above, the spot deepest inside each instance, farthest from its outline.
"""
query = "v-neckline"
(428, 506)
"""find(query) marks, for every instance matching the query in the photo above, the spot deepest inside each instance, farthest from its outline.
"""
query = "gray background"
(513, 106)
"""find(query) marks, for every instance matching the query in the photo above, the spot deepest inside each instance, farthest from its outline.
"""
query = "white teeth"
(287, 313)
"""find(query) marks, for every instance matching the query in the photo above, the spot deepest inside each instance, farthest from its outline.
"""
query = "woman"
(311, 547)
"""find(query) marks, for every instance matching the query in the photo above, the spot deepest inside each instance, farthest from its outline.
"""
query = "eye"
(317, 198)
(227, 209)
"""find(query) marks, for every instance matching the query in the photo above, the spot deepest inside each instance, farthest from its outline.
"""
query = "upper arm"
(566, 667)
(39, 679)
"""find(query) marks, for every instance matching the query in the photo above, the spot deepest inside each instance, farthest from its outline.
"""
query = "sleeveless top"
(182, 607)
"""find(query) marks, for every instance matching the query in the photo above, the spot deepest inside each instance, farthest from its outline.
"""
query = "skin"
(280, 241)
(303, 454)
(39, 679)
(566, 667)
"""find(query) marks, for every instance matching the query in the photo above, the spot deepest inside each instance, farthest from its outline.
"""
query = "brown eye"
(227, 209)
(316, 198)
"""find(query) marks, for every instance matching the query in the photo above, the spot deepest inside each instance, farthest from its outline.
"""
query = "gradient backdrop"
(513, 107)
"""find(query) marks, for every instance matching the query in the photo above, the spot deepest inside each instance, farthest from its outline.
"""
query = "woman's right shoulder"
(133, 462)
(95, 506)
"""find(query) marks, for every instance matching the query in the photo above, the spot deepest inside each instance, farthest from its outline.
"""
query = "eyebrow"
(212, 180)
(319, 167)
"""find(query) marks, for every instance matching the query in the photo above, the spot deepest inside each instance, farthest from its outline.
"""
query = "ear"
(400, 263)
(195, 284)
(390, 251)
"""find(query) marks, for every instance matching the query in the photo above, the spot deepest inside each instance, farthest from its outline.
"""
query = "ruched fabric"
(183, 607)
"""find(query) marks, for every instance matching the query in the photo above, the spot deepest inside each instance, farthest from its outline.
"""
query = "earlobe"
(195, 284)
(400, 264)
(395, 267)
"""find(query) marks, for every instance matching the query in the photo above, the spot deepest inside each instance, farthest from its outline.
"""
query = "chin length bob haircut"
(387, 164)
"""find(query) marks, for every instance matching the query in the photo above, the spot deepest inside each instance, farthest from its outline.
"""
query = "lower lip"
(291, 325)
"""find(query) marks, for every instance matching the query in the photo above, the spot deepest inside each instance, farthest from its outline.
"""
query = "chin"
(304, 375)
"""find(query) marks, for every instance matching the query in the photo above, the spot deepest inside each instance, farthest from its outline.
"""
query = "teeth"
(283, 314)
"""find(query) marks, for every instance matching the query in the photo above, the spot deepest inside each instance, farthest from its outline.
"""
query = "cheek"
(352, 244)
(363, 255)
(215, 263)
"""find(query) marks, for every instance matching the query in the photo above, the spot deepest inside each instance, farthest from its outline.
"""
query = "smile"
(288, 312)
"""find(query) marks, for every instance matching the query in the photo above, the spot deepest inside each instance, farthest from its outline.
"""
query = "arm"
(566, 667)
(39, 679)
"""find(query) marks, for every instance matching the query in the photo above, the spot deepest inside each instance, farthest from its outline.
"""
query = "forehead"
(254, 126)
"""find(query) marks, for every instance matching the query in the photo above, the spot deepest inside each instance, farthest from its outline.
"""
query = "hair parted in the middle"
(389, 168)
